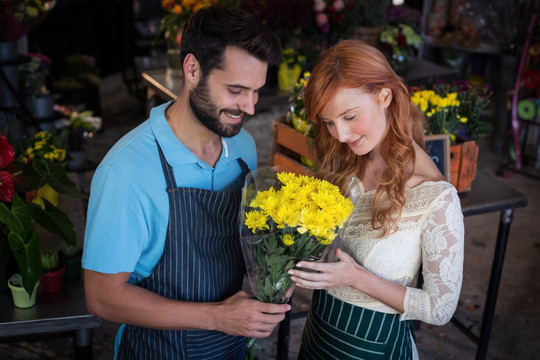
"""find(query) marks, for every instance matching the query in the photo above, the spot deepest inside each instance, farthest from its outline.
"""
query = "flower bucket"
(21, 298)
(53, 281)
(8, 54)
(287, 77)
(42, 106)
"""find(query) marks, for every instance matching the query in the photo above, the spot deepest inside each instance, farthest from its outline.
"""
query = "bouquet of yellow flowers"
(286, 218)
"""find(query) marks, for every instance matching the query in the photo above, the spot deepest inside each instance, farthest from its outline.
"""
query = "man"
(162, 252)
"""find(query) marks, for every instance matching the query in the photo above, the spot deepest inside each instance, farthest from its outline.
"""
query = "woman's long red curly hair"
(355, 64)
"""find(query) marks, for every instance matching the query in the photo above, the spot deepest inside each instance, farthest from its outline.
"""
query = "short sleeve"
(442, 242)
(116, 231)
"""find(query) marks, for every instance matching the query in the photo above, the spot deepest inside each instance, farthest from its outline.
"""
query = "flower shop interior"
(76, 75)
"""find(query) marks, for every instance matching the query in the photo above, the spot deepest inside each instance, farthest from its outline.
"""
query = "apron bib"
(202, 262)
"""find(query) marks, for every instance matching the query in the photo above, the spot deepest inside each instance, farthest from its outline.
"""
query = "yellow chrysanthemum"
(256, 220)
(288, 239)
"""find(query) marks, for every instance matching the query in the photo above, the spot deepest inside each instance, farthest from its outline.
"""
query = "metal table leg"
(82, 344)
(495, 278)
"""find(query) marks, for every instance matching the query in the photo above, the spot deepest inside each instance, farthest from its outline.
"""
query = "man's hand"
(242, 314)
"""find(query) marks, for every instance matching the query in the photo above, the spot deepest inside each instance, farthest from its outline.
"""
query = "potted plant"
(457, 109)
(33, 76)
(52, 272)
(74, 130)
(371, 20)
(23, 173)
(76, 79)
(21, 298)
(17, 18)
(399, 43)
(71, 256)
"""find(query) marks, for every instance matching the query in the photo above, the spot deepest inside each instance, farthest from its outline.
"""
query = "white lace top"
(430, 231)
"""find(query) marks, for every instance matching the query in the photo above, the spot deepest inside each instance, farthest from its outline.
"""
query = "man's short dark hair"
(210, 30)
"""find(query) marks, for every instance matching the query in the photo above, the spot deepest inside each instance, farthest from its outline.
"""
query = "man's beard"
(204, 109)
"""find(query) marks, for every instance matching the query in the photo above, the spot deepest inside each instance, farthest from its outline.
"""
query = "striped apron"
(339, 330)
(202, 262)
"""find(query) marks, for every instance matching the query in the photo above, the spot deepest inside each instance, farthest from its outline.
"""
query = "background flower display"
(290, 68)
(177, 12)
(456, 108)
(403, 14)
(286, 218)
(33, 75)
(334, 19)
(30, 176)
(297, 114)
(18, 17)
(76, 126)
(399, 43)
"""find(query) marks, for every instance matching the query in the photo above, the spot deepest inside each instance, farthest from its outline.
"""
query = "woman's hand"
(327, 275)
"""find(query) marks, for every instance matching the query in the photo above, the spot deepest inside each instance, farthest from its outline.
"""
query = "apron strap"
(167, 169)
(169, 174)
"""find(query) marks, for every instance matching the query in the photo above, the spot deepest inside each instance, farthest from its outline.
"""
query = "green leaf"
(54, 220)
(55, 175)
(27, 257)
(17, 220)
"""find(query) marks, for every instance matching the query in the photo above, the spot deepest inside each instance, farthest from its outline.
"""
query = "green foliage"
(49, 260)
(17, 217)
(373, 12)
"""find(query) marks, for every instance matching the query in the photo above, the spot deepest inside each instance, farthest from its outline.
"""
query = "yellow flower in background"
(42, 145)
(455, 108)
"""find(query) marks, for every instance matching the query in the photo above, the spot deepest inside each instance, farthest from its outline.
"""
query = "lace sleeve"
(442, 264)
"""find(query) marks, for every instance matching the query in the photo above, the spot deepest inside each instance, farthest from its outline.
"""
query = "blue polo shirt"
(128, 210)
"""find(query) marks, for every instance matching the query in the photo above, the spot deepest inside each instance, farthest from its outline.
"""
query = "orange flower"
(177, 9)
(167, 4)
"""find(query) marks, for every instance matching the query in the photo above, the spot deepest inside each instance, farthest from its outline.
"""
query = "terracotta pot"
(53, 281)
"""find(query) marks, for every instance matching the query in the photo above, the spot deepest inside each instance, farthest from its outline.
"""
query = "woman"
(407, 215)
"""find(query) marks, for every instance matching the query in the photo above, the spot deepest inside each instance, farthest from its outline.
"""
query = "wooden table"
(488, 194)
(55, 315)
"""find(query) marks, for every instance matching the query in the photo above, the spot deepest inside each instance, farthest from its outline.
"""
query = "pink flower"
(319, 6)
(338, 5)
(321, 19)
